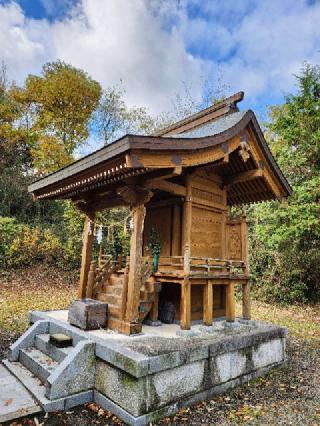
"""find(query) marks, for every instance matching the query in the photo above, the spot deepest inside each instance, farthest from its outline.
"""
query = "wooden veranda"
(181, 182)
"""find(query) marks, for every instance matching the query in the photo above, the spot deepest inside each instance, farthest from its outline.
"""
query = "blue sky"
(157, 47)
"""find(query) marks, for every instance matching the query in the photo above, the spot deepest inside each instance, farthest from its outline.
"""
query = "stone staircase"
(113, 292)
(57, 377)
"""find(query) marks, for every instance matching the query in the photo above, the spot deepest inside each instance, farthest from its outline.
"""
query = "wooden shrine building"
(181, 182)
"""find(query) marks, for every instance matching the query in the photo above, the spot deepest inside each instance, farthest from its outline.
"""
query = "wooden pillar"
(91, 277)
(208, 303)
(154, 313)
(185, 303)
(246, 301)
(230, 303)
(124, 291)
(134, 278)
(246, 294)
(87, 242)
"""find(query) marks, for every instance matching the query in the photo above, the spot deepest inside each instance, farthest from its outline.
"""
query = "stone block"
(228, 366)
(125, 390)
(27, 339)
(88, 314)
(75, 374)
(173, 384)
(268, 353)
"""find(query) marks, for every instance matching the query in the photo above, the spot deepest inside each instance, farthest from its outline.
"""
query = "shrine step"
(124, 327)
(111, 299)
(116, 279)
(42, 342)
(40, 364)
(115, 289)
(38, 389)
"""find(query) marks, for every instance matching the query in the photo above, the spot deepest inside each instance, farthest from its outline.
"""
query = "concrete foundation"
(146, 377)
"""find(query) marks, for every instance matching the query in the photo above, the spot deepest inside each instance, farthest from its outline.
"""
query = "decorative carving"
(135, 195)
(244, 151)
(234, 243)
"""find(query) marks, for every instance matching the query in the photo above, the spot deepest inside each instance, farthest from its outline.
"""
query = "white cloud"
(261, 50)
(147, 43)
(111, 40)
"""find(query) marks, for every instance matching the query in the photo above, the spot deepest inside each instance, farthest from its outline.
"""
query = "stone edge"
(139, 365)
(173, 408)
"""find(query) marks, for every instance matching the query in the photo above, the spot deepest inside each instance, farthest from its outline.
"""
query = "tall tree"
(286, 237)
(59, 104)
(114, 118)
(15, 159)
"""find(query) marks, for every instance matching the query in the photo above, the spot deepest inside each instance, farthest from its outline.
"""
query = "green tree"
(286, 237)
(15, 158)
(58, 106)
(113, 118)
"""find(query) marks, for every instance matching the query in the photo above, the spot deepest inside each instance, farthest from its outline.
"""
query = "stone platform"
(143, 378)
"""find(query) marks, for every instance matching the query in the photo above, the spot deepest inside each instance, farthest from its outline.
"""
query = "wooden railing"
(202, 266)
(99, 274)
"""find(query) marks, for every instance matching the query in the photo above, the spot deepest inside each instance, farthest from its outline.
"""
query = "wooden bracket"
(135, 195)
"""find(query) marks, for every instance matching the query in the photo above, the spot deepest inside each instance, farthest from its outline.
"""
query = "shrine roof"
(212, 128)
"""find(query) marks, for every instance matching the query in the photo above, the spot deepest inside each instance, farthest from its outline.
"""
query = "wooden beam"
(243, 177)
(87, 243)
(166, 186)
(207, 303)
(134, 278)
(230, 302)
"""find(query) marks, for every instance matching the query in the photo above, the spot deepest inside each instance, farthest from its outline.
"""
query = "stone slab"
(15, 400)
(173, 408)
(37, 389)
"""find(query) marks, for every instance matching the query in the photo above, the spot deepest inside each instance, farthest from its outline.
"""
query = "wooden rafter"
(243, 177)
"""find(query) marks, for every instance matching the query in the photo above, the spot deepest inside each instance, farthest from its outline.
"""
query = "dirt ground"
(289, 395)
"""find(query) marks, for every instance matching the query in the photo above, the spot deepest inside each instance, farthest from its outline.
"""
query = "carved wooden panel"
(206, 233)
(234, 242)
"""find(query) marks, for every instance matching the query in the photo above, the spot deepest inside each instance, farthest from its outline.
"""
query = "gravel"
(289, 395)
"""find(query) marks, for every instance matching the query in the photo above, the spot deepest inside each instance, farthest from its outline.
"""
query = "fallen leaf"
(8, 402)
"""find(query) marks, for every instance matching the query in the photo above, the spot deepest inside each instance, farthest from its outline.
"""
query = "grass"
(33, 288)
(302, 321)
(40, 288)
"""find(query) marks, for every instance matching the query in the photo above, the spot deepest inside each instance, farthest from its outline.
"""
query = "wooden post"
(86, 254)
(154, 313)
(119, 261)
(91, 276)
(230, 302)
(134, 279)
(185, 303)
(246, 296)
(124, 291)
(246, 301)
(208, 303)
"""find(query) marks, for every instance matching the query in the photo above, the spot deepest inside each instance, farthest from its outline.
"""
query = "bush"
(22, 244)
